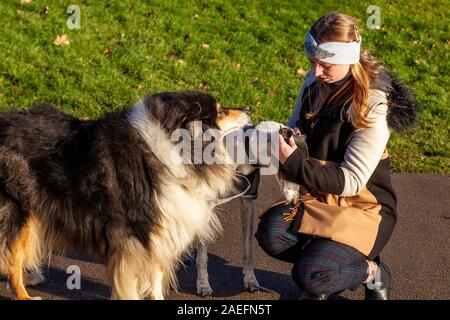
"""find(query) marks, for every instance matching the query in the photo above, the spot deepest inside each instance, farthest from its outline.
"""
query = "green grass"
(147, 40)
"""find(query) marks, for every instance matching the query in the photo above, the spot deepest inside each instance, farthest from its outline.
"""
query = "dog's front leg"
(203, 286)
(247, 213)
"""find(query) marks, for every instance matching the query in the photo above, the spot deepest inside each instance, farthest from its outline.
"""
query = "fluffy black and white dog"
(112, 187)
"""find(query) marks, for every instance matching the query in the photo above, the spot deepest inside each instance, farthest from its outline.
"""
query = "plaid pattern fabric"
(320, 266)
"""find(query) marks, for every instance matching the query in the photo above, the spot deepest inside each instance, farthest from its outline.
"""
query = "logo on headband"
(319, 53)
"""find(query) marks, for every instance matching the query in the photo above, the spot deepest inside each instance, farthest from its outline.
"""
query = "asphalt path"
(418, 253)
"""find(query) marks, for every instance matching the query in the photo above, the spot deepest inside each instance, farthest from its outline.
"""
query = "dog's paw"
(204, 291)
(250, 283)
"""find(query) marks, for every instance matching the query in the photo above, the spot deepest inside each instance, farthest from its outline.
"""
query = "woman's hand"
(285, 149)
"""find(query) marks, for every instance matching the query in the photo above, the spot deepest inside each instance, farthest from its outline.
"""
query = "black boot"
(379, 287)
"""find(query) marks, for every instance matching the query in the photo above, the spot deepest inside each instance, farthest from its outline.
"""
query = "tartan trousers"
(320, 265)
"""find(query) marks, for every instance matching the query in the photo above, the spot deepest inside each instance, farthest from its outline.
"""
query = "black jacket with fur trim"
(347, 193)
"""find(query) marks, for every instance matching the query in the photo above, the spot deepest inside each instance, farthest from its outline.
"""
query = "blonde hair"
(338, 27)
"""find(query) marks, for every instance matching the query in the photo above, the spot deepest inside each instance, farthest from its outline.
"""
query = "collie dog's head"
(187, 127)
(180, 110)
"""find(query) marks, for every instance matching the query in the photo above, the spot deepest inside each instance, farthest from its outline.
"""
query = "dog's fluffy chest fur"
(186, 194)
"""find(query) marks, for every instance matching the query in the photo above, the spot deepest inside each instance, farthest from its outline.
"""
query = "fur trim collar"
(403, 109)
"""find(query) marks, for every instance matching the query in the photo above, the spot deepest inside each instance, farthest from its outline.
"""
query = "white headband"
(333, 52)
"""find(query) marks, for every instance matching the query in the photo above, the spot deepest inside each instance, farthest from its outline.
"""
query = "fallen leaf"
(140, 87)
(237, 66)
(273, 91)
(181, 62)
(203, 85)
(302, 72)
(205, 46)
(61, 40)
(1, 94)
(25, 1)
(46, 10)
(19, 11)
(414, 42)
(194, 16)
(107, 52)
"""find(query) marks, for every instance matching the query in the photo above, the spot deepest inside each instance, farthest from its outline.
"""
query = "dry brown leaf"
(107, 52)
(205, 46)
(1, 94)
(181, 62)
(273, 91)
(302, 72)
(46, 10)
(25, 1)
(237, 66)
(194, 16)
(61, 40)
(290, 59)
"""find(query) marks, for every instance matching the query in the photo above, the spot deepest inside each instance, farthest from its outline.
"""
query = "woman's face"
(329, 73)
